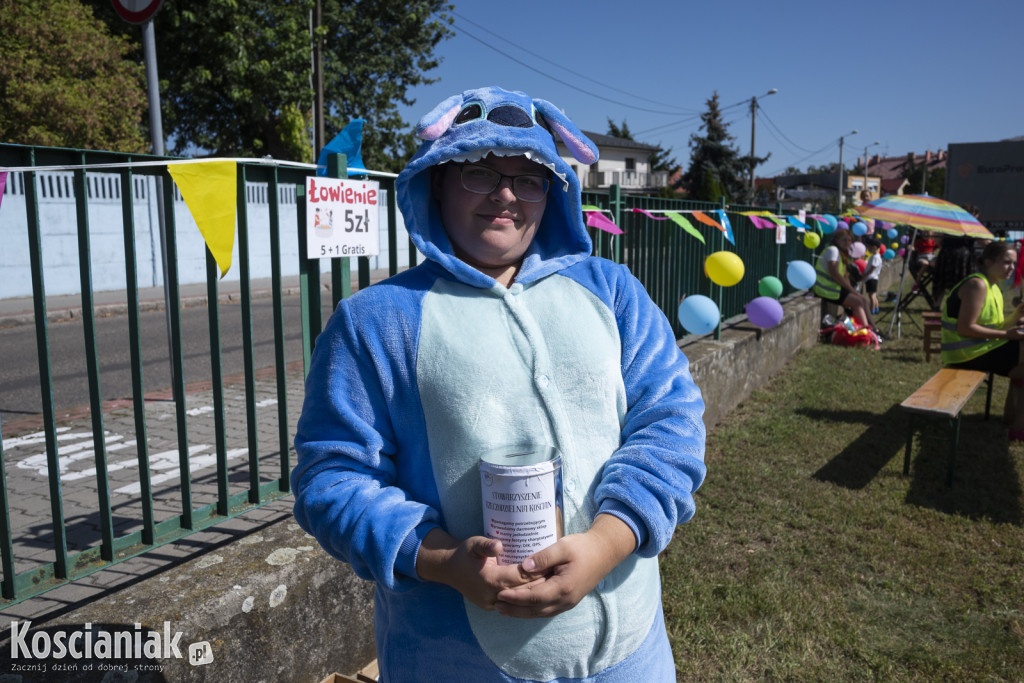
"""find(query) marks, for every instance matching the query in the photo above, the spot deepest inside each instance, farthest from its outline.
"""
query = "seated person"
(976, 336)
(953, 264)
(834, 283)
(924, 252)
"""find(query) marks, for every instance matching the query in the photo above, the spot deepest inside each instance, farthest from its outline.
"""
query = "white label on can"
(521, 512)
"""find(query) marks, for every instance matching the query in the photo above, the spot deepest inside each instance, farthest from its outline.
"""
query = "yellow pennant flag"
(210, 190)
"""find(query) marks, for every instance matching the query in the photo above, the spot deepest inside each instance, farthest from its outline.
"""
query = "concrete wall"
(275, 607)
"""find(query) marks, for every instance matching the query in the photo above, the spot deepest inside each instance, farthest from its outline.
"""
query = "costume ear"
(581, 148)
(436, 123)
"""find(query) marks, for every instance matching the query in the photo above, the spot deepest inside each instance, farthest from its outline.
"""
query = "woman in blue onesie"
(509, 332)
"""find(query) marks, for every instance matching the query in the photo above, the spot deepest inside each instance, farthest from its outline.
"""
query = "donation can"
(522, 499)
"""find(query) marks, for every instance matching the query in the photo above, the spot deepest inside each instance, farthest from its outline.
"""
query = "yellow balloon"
(895, 245)
(724, 268)
(811, 239)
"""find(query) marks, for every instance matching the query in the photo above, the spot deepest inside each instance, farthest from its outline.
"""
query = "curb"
(109, 310)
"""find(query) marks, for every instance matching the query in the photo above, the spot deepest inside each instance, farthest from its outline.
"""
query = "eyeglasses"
(483, 180)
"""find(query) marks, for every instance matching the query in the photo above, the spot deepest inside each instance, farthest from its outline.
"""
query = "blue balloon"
(859, 229)
(698, 314)
(827, 227)
(831, 220)
(891, 233)
(800, 275)
(889, 254)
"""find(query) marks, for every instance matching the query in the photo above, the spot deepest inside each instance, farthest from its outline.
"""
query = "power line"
(564, 68)
(771, 123)
(811, 155)
(560, 81)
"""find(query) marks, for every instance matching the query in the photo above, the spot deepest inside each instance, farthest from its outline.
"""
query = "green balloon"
(770, 286)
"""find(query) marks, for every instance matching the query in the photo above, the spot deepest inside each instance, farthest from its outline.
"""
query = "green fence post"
(778, 247)
(341, 269)
(718, 289)
(615, 204)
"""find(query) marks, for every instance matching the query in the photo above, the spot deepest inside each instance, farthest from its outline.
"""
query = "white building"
(626, 163)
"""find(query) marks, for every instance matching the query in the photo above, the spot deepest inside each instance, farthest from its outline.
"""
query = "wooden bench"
(944, 396)
(932, 334)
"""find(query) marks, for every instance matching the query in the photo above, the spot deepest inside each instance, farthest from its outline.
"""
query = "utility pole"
(318, 82)
(866, 147)
(753, 131)
(839, 205)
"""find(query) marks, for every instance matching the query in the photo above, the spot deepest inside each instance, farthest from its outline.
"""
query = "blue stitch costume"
(416, 377)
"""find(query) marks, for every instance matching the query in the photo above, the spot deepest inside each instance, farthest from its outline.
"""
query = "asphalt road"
(19, 367)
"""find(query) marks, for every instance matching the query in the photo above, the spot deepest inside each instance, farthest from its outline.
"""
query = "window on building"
(630, 164)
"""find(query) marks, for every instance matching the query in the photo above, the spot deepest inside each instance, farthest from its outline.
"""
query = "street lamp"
(839, 206)
(753, 129)
(866, 147)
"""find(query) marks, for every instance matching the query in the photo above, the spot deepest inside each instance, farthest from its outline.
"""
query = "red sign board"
(136, 11)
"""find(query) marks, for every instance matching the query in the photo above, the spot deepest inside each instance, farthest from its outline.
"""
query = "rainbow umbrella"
(925, 213)
(921, 212)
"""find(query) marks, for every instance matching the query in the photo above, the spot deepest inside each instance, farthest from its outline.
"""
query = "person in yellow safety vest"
(977, 336)
(833, 283)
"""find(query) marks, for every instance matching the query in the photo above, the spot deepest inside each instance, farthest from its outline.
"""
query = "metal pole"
(839, 203)
(866, 168)
(318, 83)
(753, 129)
(156, 134)
(156, 128)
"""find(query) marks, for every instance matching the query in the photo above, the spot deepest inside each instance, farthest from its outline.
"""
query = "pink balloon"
(765, 312)
(857, 250)
(901, 252)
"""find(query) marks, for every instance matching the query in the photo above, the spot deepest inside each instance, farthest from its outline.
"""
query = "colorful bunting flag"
(686, 225)
(799, 224)
(706, 220)
(726, 226)
(210, 191)
(348, 142)
(761, 223)
(650, 215)
(596, 219)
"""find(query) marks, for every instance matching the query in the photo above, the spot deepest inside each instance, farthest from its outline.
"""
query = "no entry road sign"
(136, 11)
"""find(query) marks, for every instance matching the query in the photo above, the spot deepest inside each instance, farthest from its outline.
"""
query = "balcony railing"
(627, 180)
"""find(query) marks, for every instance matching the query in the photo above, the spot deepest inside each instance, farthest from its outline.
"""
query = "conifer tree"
(716, 167)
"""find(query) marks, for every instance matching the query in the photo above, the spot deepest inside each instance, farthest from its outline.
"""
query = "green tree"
(64, 80)
(824, 168)
(235, 75)
(716, 167)
(375, 51)
(934, 183)
(617, 131)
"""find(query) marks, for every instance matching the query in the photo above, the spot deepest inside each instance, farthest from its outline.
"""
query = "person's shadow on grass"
(985, 482)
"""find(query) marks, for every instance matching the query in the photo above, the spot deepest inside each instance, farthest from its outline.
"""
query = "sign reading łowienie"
(342, 217)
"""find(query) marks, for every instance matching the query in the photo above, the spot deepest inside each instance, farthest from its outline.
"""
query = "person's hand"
(568, 570)
(1018, 314)
(1015, 333)
(469, 566)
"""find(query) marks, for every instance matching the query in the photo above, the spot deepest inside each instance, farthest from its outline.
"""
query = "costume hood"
(484, 121)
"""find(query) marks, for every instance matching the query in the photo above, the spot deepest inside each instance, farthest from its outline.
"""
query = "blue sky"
(911, 74)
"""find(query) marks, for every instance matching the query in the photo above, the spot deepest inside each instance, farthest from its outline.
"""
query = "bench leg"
(952, 449)
(988, 396)
(910, 442)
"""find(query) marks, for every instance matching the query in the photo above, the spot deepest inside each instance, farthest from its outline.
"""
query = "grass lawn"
(812, 557)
